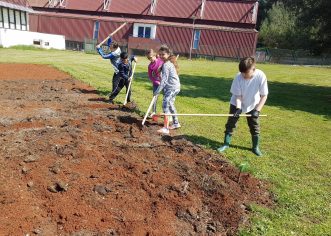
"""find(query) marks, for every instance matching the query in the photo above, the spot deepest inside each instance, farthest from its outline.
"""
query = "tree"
(264, 7)
(279, 28)
(296, 24)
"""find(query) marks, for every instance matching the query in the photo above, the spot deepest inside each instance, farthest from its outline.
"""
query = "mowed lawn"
(296, 135)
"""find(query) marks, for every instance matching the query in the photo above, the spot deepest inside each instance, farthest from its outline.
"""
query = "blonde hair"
(151, 53)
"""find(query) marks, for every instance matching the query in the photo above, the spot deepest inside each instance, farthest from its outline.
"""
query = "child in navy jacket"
(123, 76)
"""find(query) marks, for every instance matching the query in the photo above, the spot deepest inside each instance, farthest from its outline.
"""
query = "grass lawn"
(296, 135)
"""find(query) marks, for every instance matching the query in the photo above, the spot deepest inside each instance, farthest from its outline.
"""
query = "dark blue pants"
(118, 84)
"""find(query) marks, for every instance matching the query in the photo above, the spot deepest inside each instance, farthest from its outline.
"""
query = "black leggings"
(253, 123)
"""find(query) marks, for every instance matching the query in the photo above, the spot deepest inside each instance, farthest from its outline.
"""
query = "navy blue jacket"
(125, 70)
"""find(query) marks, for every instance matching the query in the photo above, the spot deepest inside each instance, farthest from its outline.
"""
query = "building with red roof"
(223, 28)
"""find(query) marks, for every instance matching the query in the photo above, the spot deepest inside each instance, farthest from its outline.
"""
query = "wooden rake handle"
(148, 110)
(129, 87)
(206, 115)
(118, 29)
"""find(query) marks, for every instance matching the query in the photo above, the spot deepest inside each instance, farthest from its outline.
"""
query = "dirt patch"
(73, 165)
(30, 71)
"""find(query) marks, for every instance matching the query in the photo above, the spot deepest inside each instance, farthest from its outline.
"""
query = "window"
(148, 32)
(1, 19)
(18, 20)
(196, 39)
(13, 19)
(12, 23)
(23, 20)
(96, 30)
(141, 32)
(36, 42)
(5, 18)
(144, 31)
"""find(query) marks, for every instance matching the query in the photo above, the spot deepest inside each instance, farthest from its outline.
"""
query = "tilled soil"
(71, 164)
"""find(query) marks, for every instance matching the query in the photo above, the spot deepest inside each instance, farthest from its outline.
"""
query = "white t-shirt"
(249, 89)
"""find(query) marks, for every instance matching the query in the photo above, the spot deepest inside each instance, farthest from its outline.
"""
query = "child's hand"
(255, 113)
(237, 113)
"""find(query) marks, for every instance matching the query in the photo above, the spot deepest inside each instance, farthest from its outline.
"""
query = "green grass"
(296, 135)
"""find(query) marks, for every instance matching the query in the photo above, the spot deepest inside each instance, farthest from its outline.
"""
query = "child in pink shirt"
(154, 73)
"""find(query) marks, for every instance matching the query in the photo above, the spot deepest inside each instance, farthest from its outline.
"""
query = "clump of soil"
(73, 165)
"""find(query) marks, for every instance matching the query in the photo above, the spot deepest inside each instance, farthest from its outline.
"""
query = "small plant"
(208, 146)
(243, 167)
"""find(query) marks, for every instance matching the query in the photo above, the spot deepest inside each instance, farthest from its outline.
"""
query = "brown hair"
(172, 57)
(246, 63)
(115, 45)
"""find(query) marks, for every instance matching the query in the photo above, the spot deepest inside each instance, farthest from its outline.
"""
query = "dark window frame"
(25, 20)
(2, 19)
(143, 33)
(8, 18)
(150, 32)
(20, 12)
(21, 15)
(15, 11)
(10, 22)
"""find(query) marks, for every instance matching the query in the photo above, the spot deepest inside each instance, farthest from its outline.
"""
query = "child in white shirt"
(249, 93)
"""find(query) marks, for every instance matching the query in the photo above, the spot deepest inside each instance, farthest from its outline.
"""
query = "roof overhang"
(145, 21)
(16, 7)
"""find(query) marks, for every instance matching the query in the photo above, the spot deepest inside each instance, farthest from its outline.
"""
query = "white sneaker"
(164, 130)
(175, 126)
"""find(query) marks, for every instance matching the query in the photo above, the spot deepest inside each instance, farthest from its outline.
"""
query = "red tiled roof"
(237, 11)
(178, 9)
(143, 21)
(139, 7)
(232, 11)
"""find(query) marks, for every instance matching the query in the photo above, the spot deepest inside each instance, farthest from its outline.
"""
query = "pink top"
(154, 71)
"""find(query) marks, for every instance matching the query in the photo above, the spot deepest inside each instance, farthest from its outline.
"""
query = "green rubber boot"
(256, 141)
(227, 141)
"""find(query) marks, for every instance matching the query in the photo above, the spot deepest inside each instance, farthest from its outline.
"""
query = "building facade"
(223, 28)
(15, 27)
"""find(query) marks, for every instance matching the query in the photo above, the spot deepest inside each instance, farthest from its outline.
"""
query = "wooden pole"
(118, 29)
(131, 79)
(149, 109)
(207, 115)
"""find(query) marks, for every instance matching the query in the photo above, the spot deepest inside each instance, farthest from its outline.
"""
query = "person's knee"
(255, 130)
(172, 107)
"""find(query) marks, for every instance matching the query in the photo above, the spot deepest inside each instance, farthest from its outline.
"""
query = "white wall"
(9, 37)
